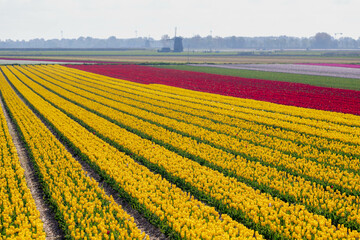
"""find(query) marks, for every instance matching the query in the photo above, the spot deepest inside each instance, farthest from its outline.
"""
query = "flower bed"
(295, 94)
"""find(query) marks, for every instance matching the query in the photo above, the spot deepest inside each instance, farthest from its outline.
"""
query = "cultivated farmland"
(195, 164)
(350, 71)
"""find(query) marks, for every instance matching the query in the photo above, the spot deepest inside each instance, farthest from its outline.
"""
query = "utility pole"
(211, 40)
(188, 53)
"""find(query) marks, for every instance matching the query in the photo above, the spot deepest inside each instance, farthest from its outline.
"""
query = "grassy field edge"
(321, 81)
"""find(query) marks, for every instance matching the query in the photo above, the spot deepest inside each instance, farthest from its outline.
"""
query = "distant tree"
(165, 37)
(196, 42)
(282, 42)
(165, 40)
(217, 42)
(111, 42)
(37, 43)
(347, 43)
(147, 42)
(234, 42)
(322, 40)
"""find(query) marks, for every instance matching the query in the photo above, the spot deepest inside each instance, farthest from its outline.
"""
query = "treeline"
(319, 41)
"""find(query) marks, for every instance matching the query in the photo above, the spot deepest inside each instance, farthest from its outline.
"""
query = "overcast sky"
(48, 19)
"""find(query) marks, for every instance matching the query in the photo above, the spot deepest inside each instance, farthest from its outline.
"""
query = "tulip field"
(200, 156)
(286, 93)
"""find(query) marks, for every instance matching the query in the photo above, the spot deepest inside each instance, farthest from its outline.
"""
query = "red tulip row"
(296, 94)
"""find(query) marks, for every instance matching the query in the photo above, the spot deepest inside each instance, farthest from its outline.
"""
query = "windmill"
(178, 45)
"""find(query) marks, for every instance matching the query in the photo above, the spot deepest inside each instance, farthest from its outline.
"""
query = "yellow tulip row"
(305, 167)
(288, 220)
(332, 117)
(308, 193)
(318, 118)
(307, 151)
(87, 211)
(19, 217)
(183, 108)
(312, 126)
(174, 207)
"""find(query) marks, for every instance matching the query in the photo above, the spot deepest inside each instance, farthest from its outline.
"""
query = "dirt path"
(294, 68)
(47, 216)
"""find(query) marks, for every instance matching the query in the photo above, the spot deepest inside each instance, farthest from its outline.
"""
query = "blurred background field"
(216, 57)
(182, 60)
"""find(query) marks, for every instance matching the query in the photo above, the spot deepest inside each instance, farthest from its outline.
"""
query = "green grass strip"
(321, 81)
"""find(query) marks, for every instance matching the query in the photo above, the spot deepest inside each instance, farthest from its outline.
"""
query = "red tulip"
(295, 94)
